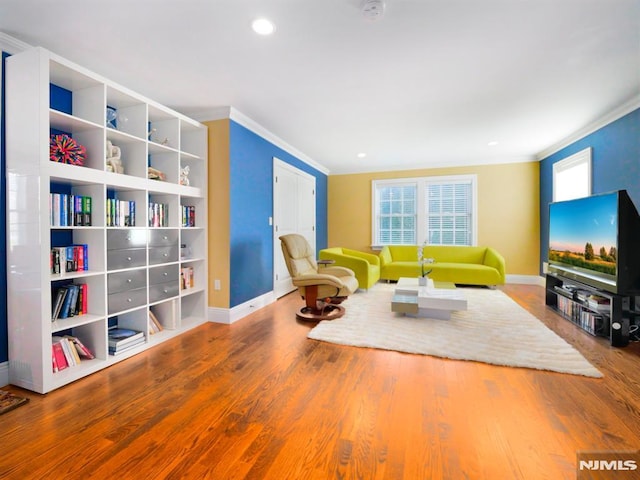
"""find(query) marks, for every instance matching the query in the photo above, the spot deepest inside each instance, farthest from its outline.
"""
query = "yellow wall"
(218, 207)
(508, 210)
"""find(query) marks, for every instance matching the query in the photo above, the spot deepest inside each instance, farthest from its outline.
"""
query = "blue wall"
(251, 199)
(615, 157)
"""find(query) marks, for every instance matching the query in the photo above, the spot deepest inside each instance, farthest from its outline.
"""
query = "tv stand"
(596, 311)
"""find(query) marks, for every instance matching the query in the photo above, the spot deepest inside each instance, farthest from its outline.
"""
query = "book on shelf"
(58, 300)
(66, 304)
(86, 210)
(73, 304)
(68, 210)
(54, 362)
(158, 214)
(58, 357)
(187, 280)
(69, 300)
(188, 216)
(80, 347)
(72, 258)
(69, 350)
(73, 351)
(154, 325)
(125, 348)
(69, 309)
(58, 260)
(80, 252)
(121, 337)
(84, 302)
(120, 213)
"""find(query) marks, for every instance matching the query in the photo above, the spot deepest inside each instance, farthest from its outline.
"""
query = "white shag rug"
(494, 329)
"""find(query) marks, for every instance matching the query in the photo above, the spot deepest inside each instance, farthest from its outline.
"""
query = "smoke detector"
(372, 9)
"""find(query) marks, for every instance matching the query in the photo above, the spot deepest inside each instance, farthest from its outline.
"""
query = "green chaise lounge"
(457, 264)
(366, 266)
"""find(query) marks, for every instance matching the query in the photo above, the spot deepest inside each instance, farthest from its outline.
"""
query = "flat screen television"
(596, 240)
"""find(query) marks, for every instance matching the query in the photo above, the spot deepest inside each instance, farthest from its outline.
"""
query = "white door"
(294, 211)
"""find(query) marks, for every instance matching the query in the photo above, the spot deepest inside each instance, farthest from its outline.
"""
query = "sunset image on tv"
(585, 237)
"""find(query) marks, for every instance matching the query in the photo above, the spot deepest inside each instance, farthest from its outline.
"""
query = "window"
(438, 210)
(397, 214)
(572, 176)
(449, 213)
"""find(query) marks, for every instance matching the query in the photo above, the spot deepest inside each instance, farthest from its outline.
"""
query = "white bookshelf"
(148, 134)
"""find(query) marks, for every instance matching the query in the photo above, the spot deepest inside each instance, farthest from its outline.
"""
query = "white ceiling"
(429, 84)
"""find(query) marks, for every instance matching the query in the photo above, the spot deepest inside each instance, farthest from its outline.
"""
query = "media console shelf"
(120, 236)
(596, 311)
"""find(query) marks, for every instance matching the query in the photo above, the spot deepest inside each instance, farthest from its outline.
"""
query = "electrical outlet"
(216, 284)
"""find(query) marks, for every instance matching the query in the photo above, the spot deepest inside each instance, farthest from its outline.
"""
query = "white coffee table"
(435, 300)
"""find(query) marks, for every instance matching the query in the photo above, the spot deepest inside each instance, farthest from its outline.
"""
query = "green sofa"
(463, 265)
(366, 266)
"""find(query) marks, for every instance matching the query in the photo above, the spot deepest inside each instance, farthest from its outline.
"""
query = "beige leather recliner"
(322, 289)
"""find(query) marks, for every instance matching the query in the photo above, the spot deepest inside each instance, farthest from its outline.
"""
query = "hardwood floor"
(257, 400)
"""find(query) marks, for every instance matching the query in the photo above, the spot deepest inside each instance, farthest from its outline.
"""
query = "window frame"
(375, 204)
(578, 159)
(421, 200)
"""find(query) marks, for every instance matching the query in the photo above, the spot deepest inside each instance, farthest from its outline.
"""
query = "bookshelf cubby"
(134, 261)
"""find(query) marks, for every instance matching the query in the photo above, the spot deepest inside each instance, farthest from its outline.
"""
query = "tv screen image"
(596, 240)
(584, 235)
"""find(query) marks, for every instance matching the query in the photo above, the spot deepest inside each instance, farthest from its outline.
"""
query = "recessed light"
(492, 144)
(262, 26)
(362, 155)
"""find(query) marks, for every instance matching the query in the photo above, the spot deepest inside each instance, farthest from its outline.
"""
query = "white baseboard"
(526, 279)
(4, 373)
(231, 315)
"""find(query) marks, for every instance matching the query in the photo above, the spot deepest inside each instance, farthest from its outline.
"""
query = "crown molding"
(212, 114)
(430, 165)
(611, 117)
(240, 118)
(12, 45)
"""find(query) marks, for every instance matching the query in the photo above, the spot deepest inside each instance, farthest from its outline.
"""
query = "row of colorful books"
(69, 210)
(69, 301)
(72, 258)
(187, 278)
(68, 351)
(158, 214)
(121, 213)
(188, 216)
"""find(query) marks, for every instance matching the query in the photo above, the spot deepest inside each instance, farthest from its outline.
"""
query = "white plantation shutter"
(438, 210)
(396, 217)
(449, 213)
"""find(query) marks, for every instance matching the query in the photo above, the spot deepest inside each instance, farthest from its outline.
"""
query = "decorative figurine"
(114, 161)
(152, 138)
(155, 174)
(184, 176)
